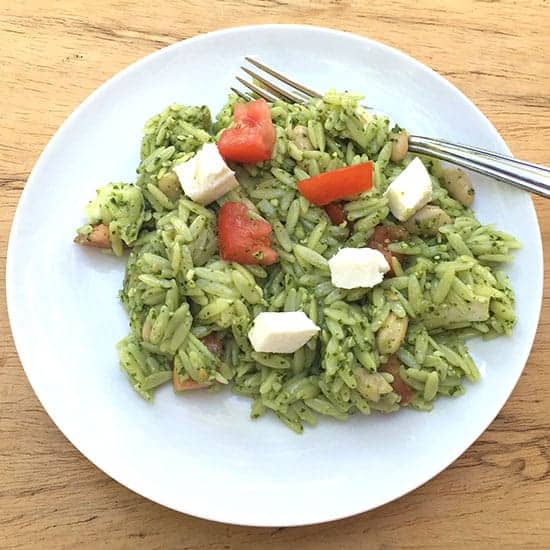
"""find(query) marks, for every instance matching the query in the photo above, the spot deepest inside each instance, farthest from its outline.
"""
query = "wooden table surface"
(53, 54)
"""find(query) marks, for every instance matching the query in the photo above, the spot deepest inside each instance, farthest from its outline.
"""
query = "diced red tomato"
(399, 385)
(337, 184)
(242, 239)
(213, 343)
(185, 385)
(383, 236)
(336, 212)
(252, 137)
(215, 346)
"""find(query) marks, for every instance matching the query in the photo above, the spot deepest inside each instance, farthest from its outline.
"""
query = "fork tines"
(278, 86)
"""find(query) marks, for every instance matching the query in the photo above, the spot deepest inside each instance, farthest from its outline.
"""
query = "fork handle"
(528, 176)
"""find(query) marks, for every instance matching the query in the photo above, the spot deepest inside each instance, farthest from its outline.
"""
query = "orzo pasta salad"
(301, 255)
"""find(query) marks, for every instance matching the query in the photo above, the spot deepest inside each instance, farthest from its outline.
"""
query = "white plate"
(200, 453)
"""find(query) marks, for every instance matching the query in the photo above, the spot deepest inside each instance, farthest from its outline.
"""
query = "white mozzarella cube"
(357, 268)
(281, 332)
(206, 177)
(410, 191)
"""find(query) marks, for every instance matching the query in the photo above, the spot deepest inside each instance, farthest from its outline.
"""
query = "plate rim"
(112, 81)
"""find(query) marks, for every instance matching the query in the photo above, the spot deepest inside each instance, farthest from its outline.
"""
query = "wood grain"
(53, 54)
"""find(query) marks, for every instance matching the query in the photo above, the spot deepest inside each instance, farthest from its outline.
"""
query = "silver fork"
(525, 175)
